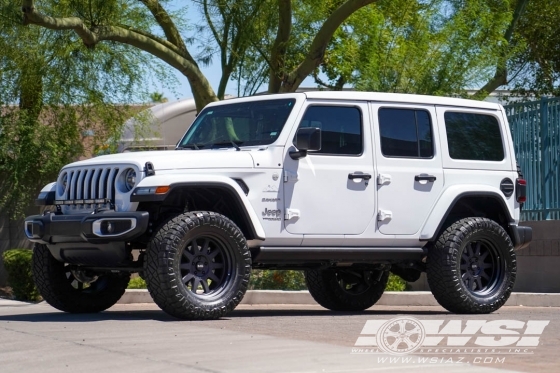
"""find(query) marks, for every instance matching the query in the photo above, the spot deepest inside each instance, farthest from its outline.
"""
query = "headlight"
(63, 184)
(130, 179)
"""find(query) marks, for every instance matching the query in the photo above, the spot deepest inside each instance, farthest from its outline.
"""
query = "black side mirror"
(307, 139)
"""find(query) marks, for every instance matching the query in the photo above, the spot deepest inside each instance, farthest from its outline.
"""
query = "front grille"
(91, 183)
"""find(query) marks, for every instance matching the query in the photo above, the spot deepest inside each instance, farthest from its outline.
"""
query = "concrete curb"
(389, 298)
(13, 303)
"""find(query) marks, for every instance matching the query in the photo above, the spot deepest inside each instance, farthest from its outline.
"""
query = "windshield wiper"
(189, 146)
(225, 143)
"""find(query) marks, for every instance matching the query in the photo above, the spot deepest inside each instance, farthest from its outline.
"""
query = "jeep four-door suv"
(347, 186)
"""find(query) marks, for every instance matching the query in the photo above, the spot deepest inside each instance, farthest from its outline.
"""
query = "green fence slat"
(535, 128)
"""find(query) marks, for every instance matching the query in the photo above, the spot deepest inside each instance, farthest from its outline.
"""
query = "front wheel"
(198, 266)
(346, 289)
(472, 266)
(74, 290)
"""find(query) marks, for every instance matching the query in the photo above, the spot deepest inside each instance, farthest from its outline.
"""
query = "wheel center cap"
(200, 266)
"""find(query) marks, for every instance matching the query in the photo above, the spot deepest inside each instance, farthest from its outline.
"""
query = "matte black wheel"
(74, 290)
(346, 289)
(198, 266)
(472, 267)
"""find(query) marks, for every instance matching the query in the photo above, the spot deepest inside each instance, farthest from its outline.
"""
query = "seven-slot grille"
(91, 183)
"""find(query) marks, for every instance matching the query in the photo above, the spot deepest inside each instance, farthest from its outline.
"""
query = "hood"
(176, 159)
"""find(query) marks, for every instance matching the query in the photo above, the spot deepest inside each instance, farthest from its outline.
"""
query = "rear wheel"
(345, 289)
(198, 266)
(472, 267)
(71, 289)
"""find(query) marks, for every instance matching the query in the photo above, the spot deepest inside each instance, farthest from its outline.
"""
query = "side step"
(300, 255)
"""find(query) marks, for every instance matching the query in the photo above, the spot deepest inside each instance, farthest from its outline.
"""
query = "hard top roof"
(400, 98)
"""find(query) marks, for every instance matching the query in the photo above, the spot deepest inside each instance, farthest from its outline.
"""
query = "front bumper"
(521, 236)
(52, 229)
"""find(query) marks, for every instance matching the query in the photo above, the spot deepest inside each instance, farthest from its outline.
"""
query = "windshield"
(234, 125)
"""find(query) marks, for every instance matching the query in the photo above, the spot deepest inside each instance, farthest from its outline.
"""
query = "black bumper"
(521, 236)
(52, 229)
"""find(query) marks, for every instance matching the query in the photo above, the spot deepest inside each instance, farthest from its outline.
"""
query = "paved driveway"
(275, 338)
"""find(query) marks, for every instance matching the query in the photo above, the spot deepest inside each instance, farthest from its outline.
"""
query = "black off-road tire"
(471, 268)
(329, 289)
(58, 286)
(197, 266)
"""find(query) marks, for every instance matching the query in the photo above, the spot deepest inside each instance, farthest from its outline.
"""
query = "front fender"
(453, 194)
(177, 181)
(47, 195)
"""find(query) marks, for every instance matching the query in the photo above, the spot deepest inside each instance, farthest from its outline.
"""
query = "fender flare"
(201, 180)
(437, 218)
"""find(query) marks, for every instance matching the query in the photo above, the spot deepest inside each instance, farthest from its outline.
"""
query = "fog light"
(113, 227)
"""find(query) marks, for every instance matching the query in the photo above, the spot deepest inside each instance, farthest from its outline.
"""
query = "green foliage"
(281, 280)
(439, 47)
(277, 280)
(295, 280)
(18, 266)
(395, 283)
(60, 100)
(137, 283)
(535, 62)
(157, 97)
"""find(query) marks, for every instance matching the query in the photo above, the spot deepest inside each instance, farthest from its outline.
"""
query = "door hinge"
(384, 215)
(290, 176)
(383, 179)
(291, 213)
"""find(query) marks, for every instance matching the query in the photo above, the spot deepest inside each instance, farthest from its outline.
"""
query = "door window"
(405, 133)
(341, 128)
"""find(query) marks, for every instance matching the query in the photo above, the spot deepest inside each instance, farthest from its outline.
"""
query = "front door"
(409, 163)
(332, 191)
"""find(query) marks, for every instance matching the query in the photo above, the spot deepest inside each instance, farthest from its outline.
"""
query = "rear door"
(409, 163)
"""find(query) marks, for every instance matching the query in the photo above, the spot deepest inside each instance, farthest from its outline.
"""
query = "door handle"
(428, 178)
(359, 176)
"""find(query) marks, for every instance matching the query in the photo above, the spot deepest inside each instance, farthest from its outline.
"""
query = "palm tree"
(157, 97)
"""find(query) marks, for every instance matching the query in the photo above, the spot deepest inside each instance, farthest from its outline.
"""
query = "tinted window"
(341, 128)
(243, 123)
(405, 133)
(473, 136)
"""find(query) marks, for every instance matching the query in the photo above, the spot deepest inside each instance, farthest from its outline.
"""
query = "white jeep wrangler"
(346, 186)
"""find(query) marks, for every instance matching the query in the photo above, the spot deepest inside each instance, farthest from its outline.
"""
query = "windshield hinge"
(290, 176)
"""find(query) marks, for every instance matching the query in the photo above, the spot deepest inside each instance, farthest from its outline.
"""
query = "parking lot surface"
(258, 338)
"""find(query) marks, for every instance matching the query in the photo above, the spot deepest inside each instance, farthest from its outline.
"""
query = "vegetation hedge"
(281, 280)
(137, 283)
(18, 266)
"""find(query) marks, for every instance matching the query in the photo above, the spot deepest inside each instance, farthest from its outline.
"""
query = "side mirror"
(307, 139)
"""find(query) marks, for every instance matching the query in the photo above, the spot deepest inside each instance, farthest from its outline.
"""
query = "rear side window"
(341, 128)
(473, 136)
(405, 133)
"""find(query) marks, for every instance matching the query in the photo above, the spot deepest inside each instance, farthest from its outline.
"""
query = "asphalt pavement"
(265, 338)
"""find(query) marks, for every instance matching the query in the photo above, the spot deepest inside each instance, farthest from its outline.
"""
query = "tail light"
(521, 190)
